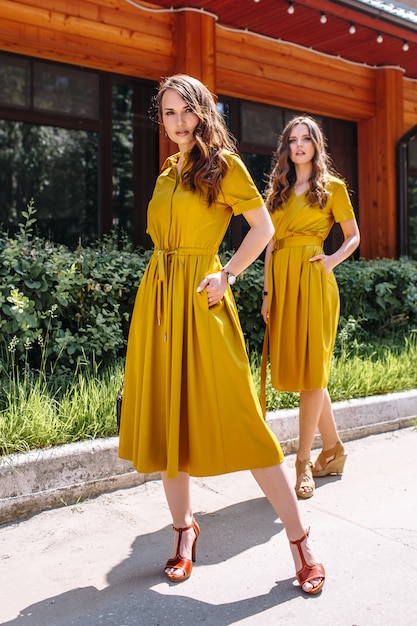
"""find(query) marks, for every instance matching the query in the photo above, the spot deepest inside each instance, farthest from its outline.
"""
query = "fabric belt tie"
(162, 264)
(297, 241)
(264, 362)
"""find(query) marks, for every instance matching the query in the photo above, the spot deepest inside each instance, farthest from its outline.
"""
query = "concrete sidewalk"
(44, 479)
(100, 562)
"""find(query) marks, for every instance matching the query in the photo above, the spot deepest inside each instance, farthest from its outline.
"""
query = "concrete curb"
(45, 479)
(355, 418)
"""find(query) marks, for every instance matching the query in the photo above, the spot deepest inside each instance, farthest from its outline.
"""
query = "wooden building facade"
(135, 43)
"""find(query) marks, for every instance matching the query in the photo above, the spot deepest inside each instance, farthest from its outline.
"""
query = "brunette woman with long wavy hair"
(301, 298)
(190, 407)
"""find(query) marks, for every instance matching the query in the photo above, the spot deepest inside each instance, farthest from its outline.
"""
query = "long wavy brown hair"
(208, 165)
(283, 174)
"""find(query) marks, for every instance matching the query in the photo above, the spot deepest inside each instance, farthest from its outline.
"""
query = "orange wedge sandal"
(304, 486)
(331, 461)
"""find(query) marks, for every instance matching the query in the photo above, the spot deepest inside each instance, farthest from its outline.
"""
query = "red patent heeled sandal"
(182, 567)
(309, 573)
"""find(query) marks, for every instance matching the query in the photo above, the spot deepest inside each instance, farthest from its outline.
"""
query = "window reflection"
(57, 167)
(122, 148)
(65, 90)
(260, 124)
(14, 82)
(412, 198)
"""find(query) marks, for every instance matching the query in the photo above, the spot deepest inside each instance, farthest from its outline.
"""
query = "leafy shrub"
(63, 308)
(59, 307)
(378, 299)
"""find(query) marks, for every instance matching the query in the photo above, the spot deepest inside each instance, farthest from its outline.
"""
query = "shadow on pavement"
(138, 593)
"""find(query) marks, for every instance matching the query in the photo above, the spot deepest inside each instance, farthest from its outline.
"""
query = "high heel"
(331, 461)
(182, 566)
(304, 478)
(308, 573)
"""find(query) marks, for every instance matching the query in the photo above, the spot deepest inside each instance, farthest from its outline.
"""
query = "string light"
(291, 8)
(352, 27)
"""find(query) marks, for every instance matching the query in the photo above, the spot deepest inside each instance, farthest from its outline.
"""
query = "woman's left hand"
(215, 286)
(351, 242)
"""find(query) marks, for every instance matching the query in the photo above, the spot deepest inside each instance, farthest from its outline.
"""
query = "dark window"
(64, 90)
(412, 198)
(260, 125)
(58, 168)
(407, 193)
(257, 128)
(80, 143)
(14, 82)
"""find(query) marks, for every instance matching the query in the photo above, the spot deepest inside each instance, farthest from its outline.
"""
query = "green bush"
(378, 302)
(61, 308)
(378, 298)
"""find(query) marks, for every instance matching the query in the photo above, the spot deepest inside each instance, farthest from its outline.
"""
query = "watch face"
(231, 279)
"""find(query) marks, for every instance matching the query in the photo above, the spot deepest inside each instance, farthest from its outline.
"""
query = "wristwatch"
(231, 278)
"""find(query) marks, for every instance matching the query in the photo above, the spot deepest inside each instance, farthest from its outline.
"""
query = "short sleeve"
(238, 189)
(342, 208)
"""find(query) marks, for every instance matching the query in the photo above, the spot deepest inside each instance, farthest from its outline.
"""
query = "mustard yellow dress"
(189, 403)
(303, 300)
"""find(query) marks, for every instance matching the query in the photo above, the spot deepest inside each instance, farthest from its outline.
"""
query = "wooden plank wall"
(109, 35)
(115, 36)
(410, 104)
(287, 75)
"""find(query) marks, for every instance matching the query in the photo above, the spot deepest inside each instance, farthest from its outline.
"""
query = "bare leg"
(311, 405)
(275, 483)
(316, 412)
(178, 495)
(327, 426)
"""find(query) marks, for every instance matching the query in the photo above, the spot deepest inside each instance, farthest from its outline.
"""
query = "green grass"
(357, 372)
(38, 412)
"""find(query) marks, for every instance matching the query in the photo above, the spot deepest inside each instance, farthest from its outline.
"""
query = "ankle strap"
(183, 529)
(298, 541)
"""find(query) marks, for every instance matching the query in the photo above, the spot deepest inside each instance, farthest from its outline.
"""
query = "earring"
(166, 134)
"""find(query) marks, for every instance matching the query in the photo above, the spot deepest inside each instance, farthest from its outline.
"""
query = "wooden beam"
(196, 46)
(389, 125)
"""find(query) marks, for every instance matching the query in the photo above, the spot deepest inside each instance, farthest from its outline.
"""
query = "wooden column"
(196, 46)
(377, 139)
(389, 125)
(195, 43)
(377, 156)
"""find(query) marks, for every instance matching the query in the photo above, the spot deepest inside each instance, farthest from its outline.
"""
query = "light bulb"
(380, 38)
(352, 29)
(291, 8)
(406, 47)
(323, 18)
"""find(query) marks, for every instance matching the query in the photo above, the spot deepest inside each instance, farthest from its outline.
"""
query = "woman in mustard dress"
(189, 403)
(301, 298)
